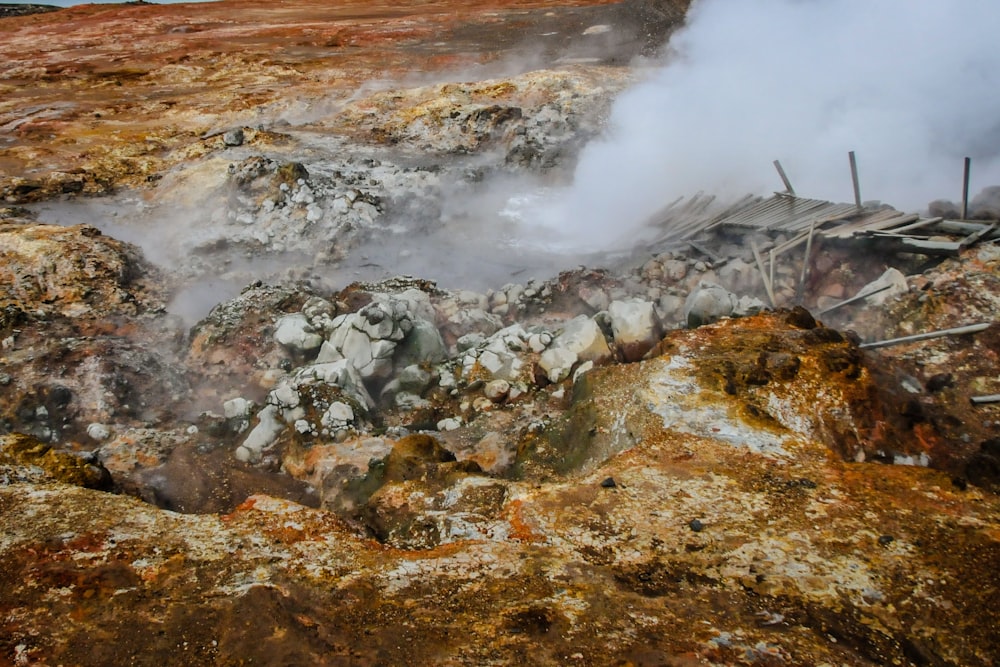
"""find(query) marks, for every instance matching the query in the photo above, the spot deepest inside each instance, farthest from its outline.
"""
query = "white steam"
(912, 86)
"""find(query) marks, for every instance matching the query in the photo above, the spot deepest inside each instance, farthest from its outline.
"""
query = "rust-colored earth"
(721, 500)
(96, 96)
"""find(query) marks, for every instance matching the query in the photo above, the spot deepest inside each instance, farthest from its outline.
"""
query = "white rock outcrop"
(580, 340)
(635, 326)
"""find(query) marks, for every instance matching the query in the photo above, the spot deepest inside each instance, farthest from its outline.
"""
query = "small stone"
(940, 381)
(449, 424)
(496, 390)
(233, 137)
(696, 525)
(801, 318)
(885, 540)
(609, 483)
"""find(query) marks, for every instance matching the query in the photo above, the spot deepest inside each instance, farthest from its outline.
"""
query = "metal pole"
(965, 188)
(854, 298)
(784, 178)
(972, 328)
(979, 400)
(854, 179)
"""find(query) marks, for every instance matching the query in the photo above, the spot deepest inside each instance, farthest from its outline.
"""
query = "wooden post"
(770, 279)
(784, 178)
(800, 293)
(965, 188)
(854, 179)
(763, 273)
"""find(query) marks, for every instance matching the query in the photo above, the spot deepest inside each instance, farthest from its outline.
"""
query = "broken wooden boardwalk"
(783, 213)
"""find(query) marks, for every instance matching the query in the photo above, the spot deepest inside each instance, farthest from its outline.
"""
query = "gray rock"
(338, 416)
(423, 344)
(496, 390)
(895, 282)
(502, 356)
(596, 298)
(414, 379)
(671, 308)
(233, 137)
(635, 326)
(296, 333)
(469, 341)
(674, 270)
(449, 424)
(237, 408)
(708, 303)
(738, 276)
(580, 340)
(368, 338)
(98, 431)
(469, 320)
(262, 436)
(341, 373)
(748, 305)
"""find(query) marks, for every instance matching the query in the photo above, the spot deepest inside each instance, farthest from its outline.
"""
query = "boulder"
(296, 333)
(708, 303)
(422, 345)
(233, 137)
(368, 338)
(502, 356)
(635, 326)
(892, 284)
(580, 340)
(263, 435)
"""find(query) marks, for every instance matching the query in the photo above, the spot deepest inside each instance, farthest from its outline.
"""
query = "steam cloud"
(912, 86)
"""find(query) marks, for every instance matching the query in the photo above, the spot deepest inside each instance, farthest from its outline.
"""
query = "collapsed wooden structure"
(785, 220)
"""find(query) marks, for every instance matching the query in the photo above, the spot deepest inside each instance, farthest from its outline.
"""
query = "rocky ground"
(233, 431)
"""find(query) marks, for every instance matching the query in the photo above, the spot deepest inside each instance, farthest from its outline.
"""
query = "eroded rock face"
(712, 549)
(73, 272)
(533, 120)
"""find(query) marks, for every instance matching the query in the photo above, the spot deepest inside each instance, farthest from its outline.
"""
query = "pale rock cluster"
(394, 347)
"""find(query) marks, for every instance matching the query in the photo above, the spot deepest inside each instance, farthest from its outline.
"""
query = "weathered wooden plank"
(784, 178)
(965, 188)
(975, 237)
(806, 263)
(763, 273)
(854, 179)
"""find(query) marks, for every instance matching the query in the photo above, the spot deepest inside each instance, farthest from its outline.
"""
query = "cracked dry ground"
(723, 501)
